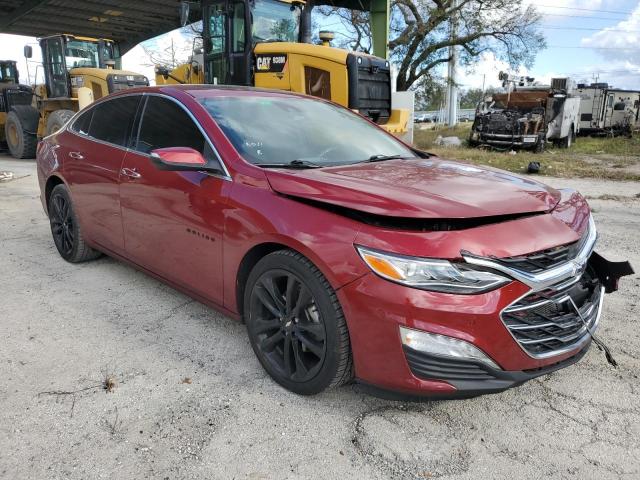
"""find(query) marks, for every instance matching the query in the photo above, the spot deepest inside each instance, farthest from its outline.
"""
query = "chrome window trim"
(542, 280)
(225, 176)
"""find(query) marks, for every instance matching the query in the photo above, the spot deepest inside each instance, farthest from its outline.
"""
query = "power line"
(596, 48)
(588, 17)
(595, 10)
(590, 29)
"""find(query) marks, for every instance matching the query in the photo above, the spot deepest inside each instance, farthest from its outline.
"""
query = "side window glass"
(83, 122)
(217, 23)
(238, 28)
(165, 124)
(113, 119)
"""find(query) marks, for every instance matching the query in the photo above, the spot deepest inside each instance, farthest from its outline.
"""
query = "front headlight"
(431, 274)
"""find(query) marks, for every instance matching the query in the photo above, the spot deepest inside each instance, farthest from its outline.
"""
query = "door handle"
(130, 172)
(76, 155)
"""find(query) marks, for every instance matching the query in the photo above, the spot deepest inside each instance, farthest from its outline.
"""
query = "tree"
(421, 34)
(470, 98)
(171, 52)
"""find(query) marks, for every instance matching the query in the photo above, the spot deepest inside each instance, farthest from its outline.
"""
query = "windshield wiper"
(382, 158)
(292, 164)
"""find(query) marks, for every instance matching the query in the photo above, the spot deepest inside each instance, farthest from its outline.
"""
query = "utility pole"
(452, 97)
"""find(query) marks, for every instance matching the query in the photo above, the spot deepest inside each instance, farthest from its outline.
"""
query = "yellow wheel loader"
(77, 71)
(258, 43)
(14, 100)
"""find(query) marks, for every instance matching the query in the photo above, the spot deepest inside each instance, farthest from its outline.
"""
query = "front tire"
(57, 120)
(295, 324)
(65, 228)
(21, 143)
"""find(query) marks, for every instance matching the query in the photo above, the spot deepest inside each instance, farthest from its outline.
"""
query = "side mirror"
(178, 158)
(184, 13)
(28, 51)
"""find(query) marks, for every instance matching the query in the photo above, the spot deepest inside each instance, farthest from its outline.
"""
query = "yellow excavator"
(77, 71)
(259, 43)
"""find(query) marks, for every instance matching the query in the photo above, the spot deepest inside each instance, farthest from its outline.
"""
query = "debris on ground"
(447, 141)
(6, 176)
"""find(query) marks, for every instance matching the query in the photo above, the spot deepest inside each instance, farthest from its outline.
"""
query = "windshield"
(275, 21)
(80, 53)
(85, 53)
(8, 73)
(279, 130)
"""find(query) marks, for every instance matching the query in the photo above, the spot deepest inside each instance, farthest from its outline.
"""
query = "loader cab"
(63, 53)
(9, 72)
(231, 29)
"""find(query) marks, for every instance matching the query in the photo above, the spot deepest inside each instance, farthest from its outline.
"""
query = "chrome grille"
(545, 323)
(543, 260)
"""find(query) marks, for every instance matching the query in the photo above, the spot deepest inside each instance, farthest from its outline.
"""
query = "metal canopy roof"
(127, 21)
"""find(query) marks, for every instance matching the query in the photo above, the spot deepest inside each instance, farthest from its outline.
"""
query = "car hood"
(422, 188)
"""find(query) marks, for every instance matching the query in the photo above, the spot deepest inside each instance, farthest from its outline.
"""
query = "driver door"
(55, 70)
(227, 43)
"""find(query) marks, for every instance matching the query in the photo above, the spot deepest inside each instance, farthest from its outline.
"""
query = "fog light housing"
(444, 346)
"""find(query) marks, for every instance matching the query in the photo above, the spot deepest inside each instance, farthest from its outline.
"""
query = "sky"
(587, 40)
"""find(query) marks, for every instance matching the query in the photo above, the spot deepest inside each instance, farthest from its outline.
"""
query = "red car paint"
(193, 231)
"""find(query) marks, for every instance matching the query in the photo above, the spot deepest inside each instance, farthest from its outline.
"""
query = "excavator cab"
(9, 72)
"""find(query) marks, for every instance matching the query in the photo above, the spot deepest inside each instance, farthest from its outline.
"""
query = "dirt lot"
(191, 401)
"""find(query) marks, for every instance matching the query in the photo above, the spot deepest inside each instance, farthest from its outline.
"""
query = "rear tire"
(21, 143)
(57, 120)
(295, 324)
(65, 228)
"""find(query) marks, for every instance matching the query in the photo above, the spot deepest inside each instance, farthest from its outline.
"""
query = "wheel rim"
(13, 135)
(62, 224)
(287, 327)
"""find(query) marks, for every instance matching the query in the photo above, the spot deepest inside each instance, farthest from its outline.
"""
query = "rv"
(608, 111)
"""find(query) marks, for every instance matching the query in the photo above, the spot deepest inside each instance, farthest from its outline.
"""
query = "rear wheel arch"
(52, 182)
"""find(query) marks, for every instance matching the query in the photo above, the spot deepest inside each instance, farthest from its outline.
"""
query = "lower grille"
(546, 323)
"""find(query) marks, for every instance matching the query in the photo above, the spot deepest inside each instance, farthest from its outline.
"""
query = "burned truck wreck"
(527, 117)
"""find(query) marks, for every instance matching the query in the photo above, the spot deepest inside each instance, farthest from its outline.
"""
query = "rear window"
(112, 120)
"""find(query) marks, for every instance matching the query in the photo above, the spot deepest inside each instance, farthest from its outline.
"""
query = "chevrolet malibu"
(348, 254)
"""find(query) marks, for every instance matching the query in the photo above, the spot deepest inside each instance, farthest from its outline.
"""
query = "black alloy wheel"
(65, 228)
(296, 325)
(62, 224)
(287, 324)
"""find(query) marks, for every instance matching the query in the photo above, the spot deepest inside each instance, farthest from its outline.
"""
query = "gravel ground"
(191, 401)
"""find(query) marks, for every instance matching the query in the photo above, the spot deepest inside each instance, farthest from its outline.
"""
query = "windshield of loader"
(86, 53)
(275, 21)
(8, 73)
(280, 130)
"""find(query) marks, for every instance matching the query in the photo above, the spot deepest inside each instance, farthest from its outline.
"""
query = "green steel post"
(380, 27)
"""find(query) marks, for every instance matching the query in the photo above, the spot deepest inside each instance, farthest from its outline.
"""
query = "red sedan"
(348, 254)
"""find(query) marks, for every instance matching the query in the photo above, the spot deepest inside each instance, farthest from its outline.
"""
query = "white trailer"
(608, 111)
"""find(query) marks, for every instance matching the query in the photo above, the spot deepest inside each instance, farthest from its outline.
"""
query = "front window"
(278, 130)
(88, 54)
(81, 53)
(8, 73)
(275, 21)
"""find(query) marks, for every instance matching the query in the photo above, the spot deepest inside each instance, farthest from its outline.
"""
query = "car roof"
(209, 91)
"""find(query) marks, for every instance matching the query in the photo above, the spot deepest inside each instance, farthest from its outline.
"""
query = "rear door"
(93, 154)
(173, 221)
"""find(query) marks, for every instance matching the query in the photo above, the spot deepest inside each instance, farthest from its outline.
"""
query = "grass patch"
(606, 158)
